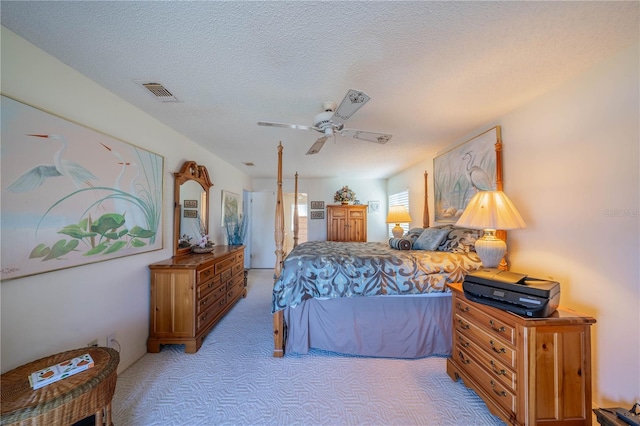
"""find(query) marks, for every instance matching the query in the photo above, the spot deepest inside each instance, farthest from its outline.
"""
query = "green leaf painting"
(72, 195)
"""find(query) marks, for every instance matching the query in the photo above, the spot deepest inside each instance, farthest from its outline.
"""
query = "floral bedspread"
(329, 269)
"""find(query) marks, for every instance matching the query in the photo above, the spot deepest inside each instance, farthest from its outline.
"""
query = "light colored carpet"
(234, 380)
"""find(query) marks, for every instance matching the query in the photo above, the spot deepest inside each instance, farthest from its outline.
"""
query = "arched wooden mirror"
(191, 204)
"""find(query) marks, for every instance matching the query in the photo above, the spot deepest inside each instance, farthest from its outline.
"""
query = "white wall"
(571, 166)
(323, 190)
(57, 311)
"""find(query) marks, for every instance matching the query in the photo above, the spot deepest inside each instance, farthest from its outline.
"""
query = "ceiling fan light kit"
(331, 122)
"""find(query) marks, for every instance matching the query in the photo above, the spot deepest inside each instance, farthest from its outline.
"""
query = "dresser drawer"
(476, 316)
(234, 288)
(499, 393)
(205, 274)
(223, 264)
(211, 312)
(226, 275)
(205, 302)
(208, 287)
(237, 268)
(503, 373)
(237, 279)
(487, 342)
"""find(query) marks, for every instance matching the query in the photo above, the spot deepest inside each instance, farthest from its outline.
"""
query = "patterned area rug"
(234, 380)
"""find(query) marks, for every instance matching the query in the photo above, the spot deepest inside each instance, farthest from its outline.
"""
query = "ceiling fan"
(331, 121)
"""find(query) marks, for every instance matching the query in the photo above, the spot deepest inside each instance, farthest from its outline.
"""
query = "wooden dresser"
(529, 371)
(190, 293)
(346, 223)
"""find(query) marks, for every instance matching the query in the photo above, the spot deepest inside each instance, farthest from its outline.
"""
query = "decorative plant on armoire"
(344, 195)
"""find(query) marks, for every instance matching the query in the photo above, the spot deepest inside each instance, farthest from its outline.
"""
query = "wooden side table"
(63, 402)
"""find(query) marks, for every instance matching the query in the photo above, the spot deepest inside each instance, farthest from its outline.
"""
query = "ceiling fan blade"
(317, 146)
(380, 138)
(351, 103)
(289, 126)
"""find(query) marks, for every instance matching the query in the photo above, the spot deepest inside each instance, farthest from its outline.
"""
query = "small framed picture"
(191, 213)
(374, 206)
(190, 204)
(317, 204)
(317, 214)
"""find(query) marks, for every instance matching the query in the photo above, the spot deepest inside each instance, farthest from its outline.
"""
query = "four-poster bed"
(318, 289)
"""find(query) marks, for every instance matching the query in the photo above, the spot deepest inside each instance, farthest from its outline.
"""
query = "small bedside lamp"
(489, 211)
(398, 215)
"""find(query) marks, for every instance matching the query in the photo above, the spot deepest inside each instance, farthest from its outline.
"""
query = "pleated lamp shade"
(489, 211)
(398, 215)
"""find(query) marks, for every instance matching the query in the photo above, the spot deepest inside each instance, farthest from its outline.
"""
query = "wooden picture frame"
(459, 173)
(98, 199)
(230, 206)
(317, 204)
(316, 214)
(190, 213)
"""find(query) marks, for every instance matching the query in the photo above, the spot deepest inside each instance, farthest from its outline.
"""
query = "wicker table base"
(65, 401)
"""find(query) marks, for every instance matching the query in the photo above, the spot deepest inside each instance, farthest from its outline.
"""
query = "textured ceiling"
(435, 71)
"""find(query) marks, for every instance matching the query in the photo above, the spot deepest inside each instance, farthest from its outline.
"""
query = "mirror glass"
(194, 208)
(191, 204)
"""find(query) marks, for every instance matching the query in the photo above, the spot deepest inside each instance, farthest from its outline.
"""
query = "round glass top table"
(63, 402)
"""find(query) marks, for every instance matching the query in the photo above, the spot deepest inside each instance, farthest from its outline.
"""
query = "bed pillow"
(460, 240)
(430, 239)
(413, 234)
(400, 243)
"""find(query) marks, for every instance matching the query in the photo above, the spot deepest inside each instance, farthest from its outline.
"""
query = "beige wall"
(57, 311)
(571, 166)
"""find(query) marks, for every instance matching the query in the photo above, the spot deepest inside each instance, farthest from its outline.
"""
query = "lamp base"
(397, 231)
(490, 249)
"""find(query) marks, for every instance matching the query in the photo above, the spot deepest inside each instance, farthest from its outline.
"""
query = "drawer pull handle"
(499, 330)
(222, 302)
(495, 369)
(501, 393)
(463, 359)
(210, 285)
(463, 343)
(204, 301)
(463, 325)
(500, 351)
(465, 309)
(207, 273)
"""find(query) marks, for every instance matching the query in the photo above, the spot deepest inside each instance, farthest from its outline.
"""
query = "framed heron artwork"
(72, 195)
(475, 165)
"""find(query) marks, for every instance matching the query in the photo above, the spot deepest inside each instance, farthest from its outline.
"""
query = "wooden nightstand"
(528, 371)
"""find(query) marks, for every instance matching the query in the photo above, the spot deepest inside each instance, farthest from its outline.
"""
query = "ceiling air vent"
(159, 92)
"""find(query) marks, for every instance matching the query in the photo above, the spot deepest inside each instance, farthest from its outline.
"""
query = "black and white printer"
(513, 292)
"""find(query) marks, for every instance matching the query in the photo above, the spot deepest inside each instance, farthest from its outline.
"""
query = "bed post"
(295, 215)
(278, 317)
(502, 234)
(425, 214)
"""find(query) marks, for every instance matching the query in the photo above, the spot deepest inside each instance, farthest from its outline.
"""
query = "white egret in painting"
(35, 177)
(478, 178)
(131, 212)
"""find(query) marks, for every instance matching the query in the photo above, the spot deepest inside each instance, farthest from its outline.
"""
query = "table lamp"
(398, 215)
(489, 211)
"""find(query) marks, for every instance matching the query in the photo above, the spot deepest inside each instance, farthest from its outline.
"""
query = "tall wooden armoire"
(347, 223)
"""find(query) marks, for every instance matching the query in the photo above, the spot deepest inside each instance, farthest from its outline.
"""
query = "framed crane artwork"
(72, 195)
(475, 165)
